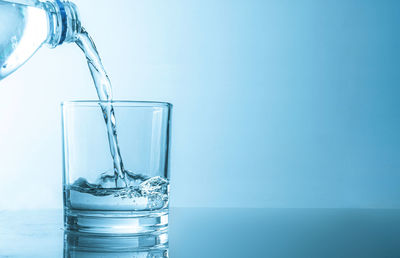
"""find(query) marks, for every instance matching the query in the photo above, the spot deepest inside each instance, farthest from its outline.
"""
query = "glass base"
(115, 222)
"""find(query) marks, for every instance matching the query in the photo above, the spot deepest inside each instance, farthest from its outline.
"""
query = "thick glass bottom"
(110, 223)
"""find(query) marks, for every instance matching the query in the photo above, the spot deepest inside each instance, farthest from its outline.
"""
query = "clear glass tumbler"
(118, 182)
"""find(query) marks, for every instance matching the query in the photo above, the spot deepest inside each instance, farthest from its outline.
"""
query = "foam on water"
(141, 193)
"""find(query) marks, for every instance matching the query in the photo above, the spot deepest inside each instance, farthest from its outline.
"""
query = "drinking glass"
(99, 198)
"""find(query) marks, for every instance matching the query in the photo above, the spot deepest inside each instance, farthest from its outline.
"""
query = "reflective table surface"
(217, 232)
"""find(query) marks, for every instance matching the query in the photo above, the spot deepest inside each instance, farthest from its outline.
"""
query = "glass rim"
(127, 103)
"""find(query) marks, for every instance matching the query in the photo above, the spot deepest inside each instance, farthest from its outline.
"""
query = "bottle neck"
(64, 22)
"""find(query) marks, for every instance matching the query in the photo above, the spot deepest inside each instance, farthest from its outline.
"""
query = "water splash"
(142, 193)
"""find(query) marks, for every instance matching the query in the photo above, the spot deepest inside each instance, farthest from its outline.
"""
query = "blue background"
(276, 103)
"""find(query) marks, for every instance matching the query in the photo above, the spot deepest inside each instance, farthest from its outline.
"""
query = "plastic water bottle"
(26, 25)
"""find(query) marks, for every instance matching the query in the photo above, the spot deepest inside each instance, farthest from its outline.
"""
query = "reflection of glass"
(101, 194)
(86, 245)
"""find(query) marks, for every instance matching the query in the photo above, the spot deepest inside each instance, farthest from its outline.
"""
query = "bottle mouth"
(74, 25)
(64, 23)
(68, 21)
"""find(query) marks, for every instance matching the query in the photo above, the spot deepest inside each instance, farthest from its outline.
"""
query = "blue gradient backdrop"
(276, 103)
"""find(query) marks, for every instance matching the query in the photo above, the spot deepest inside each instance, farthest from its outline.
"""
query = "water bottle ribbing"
(64, 22)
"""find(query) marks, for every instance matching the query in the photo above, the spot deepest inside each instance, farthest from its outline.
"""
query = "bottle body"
(27, 25)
